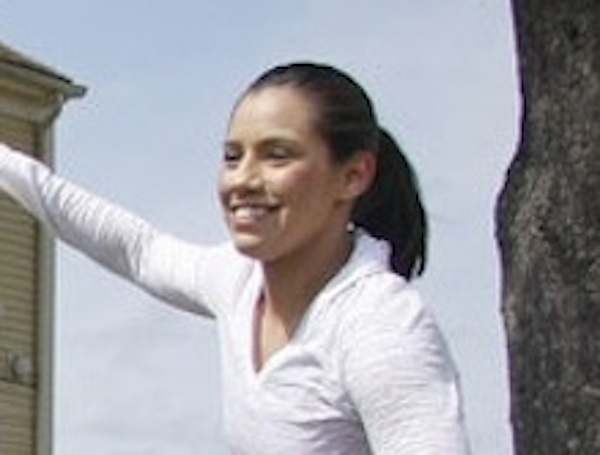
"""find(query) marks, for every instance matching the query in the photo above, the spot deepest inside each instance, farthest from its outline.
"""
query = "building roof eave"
(19, 65)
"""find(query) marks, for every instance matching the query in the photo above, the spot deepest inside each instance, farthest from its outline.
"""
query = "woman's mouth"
(249, 214)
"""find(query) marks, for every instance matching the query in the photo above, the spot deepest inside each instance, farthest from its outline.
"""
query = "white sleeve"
(167, 267)
(402, 382)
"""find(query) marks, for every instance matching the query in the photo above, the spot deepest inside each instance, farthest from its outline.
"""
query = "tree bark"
(548, 231)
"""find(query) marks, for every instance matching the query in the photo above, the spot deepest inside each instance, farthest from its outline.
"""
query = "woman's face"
(280, 191)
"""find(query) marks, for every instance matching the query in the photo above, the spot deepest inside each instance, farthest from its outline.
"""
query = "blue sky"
(135, 377)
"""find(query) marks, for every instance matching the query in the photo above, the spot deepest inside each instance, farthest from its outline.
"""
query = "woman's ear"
(359, 174)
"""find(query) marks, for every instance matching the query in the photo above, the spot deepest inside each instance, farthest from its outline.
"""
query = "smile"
(249, 214)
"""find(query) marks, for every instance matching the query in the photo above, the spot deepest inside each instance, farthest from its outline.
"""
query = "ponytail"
(392, 209)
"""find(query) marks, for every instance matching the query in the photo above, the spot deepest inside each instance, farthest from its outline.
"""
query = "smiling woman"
(280, 189)
(326, 347)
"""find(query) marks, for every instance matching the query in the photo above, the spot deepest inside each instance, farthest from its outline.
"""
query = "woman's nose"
(246, 174)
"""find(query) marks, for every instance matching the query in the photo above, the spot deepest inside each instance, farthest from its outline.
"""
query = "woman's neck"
(293, 282)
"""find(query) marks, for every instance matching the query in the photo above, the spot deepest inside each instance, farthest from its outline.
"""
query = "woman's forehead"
(279, 107)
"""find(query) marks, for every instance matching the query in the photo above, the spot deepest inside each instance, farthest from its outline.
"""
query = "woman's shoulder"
(390, 322)
(373, 294)
(385, 303)
(226, 264)
(385, 293)
(225, 273)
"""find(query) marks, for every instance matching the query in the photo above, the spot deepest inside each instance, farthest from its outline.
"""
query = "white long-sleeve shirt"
(366, 372)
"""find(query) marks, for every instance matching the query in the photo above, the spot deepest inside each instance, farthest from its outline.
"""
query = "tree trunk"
(548, 230)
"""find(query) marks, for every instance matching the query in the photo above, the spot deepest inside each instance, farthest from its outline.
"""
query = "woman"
(325, 348)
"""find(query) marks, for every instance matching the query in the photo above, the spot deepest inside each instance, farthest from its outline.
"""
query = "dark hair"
(391, 209)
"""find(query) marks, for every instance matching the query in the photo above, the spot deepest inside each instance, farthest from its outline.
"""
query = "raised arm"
(120, 241)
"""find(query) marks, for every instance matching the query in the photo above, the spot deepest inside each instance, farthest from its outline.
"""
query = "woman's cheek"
(298, 178)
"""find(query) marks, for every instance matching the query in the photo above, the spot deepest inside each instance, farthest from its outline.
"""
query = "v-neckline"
(267, 364)
(252, 349)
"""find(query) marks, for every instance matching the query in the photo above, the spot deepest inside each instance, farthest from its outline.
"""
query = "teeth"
(249, 213)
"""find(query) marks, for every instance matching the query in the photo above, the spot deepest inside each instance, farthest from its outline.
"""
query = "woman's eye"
(279, 152)
(231, 154)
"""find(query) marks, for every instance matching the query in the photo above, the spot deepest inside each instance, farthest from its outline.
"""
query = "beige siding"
(17, 133)
(16, 430)
(18, 301)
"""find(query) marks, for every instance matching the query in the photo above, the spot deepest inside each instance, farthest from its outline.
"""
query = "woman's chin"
(249, 245)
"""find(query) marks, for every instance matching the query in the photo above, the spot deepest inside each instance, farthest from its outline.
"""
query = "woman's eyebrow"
(230, 143)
